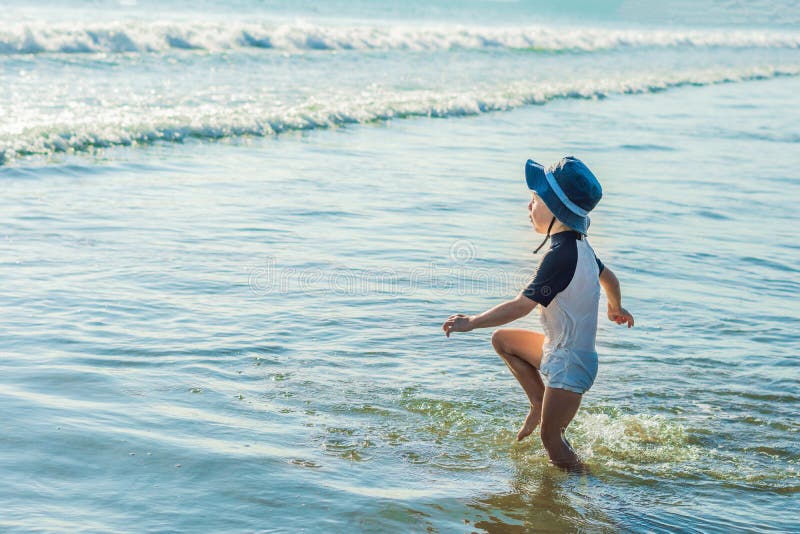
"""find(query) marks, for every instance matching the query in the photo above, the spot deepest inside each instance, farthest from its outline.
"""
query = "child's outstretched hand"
(620, 315)
(456, 323)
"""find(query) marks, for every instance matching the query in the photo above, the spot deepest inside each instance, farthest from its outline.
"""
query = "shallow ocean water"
(265, 316)
(244, 334)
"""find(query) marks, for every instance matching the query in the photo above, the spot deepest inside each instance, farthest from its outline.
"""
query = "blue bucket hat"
(568, 188)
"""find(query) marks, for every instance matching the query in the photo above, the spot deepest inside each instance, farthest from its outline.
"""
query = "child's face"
(539, 214)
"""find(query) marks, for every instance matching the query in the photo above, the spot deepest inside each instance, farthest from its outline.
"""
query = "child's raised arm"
(616, 312)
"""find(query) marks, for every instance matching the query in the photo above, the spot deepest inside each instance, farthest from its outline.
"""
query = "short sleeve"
(554, 273)
(600, 265)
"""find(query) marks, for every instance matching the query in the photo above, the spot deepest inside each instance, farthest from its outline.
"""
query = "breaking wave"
(135, 36)
(225, 119)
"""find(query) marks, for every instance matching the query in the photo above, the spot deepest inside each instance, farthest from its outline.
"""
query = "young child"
(567, 285)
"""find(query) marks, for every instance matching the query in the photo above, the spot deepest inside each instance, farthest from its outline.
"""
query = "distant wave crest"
(226, 120)
(121, 37)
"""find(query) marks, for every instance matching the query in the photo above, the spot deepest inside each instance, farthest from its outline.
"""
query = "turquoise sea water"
(211, 326)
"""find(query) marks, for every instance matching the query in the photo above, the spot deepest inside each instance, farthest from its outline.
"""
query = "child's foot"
(531, 422)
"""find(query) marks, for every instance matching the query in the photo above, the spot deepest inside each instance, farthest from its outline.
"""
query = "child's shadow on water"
(544, 498)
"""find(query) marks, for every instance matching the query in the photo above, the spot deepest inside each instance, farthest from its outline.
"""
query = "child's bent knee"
(497, 339)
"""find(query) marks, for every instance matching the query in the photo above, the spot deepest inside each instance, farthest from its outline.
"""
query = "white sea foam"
(226, 119)
(137, 36)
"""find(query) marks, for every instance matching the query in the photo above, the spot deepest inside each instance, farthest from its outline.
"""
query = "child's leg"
(558, 409)
(522, 352)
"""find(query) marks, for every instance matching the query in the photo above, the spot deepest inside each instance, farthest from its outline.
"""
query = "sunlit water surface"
(241, 333)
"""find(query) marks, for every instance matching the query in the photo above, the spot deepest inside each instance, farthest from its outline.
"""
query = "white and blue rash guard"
(567, 286)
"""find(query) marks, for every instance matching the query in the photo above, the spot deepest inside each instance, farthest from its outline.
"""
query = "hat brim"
(537, 181)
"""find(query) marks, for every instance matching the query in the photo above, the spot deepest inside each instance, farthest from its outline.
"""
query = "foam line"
(225, 120)
(137, 36)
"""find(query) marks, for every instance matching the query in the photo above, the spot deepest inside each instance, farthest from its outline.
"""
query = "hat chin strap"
(547, 236)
